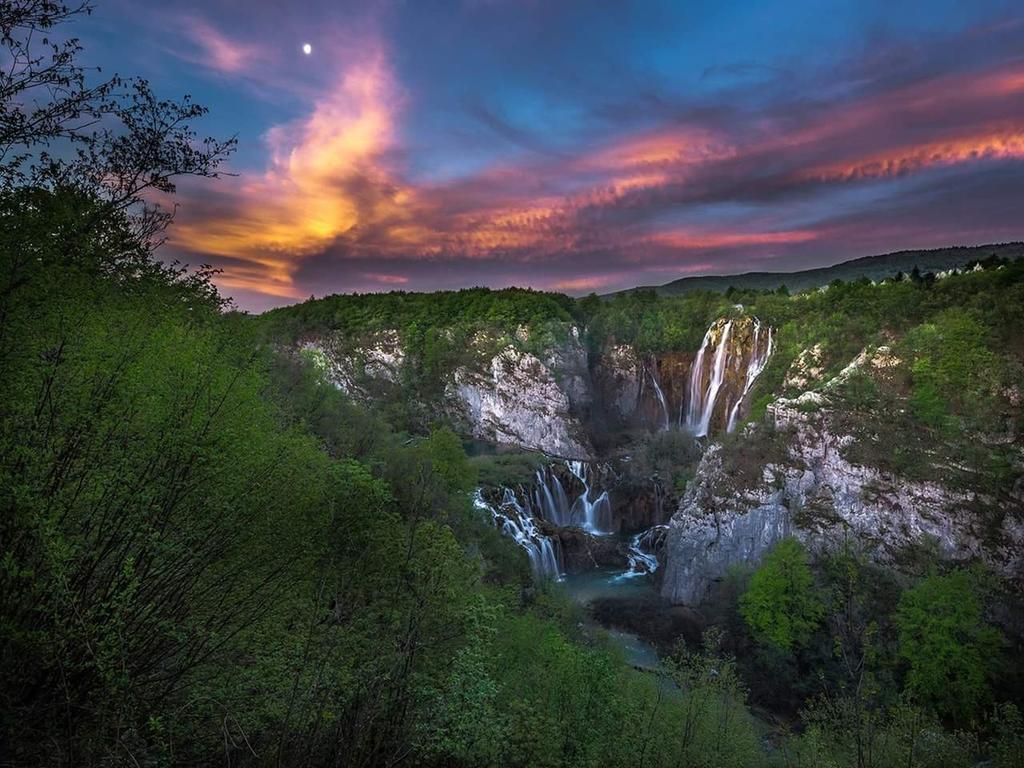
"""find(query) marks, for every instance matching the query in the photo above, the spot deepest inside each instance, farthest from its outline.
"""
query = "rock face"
(584, 552)
(809, 489)
(633, 390)
(352, 370)
(514, 397)
(520, 400)
(515, 393)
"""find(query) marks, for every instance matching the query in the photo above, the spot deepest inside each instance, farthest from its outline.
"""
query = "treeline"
(361, 314)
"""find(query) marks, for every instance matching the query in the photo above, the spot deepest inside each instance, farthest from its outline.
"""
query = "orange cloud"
(680, 145)
(586, 283)
(326, 179)
(690, 240)
(1008, 144)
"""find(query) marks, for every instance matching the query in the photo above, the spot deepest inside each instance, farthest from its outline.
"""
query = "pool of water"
(602, 582)
(584, 588)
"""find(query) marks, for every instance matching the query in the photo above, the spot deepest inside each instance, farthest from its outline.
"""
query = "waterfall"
(695, 393)
(661, 396)
(640, 553)
(702, 401)
(517, 522)
(757, 363)
(594, 516)
(739, 351)
(517, 515)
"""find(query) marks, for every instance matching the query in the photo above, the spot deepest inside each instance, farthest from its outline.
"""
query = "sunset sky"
(579, 146)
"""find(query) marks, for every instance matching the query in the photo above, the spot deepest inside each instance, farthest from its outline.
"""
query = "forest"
(212, 556)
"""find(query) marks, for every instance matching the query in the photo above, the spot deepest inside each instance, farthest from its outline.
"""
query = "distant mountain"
(871, 267)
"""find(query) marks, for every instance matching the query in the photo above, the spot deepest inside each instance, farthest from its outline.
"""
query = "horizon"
(578, 295)
(387, 147)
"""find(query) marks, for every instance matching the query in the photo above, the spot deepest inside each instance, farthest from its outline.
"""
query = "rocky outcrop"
(513, 396)
(521, 400)
(617, 374)
(355, 369)
(582, 551)
(810, 489)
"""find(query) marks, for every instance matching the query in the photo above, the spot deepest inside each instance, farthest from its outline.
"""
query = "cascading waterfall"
(757, 363)
(701, 399)
(517, 522)
(594, 516)
(661, 397)
(640, 554)
(517, 515)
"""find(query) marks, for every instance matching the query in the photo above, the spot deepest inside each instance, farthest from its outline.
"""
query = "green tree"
(948, 645)
(781, 605)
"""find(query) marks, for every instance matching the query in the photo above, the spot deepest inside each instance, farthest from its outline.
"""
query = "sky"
(578, 146)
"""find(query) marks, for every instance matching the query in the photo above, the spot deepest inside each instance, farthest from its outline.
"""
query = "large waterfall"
(703, 388)
(732, 355)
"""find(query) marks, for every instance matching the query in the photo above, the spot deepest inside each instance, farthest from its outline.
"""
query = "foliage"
(715, 728)
(949, 647)
(840, 733)
(781, 605)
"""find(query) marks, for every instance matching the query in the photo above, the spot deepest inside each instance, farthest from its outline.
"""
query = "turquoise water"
(584, 588)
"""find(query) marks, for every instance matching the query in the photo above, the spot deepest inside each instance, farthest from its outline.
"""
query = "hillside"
(872, 267)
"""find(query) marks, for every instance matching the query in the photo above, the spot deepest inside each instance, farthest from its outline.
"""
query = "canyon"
(586, 508)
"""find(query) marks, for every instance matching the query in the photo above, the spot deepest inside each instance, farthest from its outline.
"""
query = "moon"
(307, 48)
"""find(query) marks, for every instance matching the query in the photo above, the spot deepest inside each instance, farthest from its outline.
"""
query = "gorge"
(743, 481)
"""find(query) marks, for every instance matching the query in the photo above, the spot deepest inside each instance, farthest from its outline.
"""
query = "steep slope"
(502, 391)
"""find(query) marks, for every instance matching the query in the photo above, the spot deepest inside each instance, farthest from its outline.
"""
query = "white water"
(701, 400)
(517, 523)
(640, 554)
(594, 516)
(695, 393)
(661, 397)
(706, 387)
(757, 363)
(547, 500)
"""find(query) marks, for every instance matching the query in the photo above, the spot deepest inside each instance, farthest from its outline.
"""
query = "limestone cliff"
(507, 394)
(522, 400)
(804, 484)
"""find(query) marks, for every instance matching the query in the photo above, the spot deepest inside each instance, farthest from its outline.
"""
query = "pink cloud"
(385, 279)
(216, 51)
